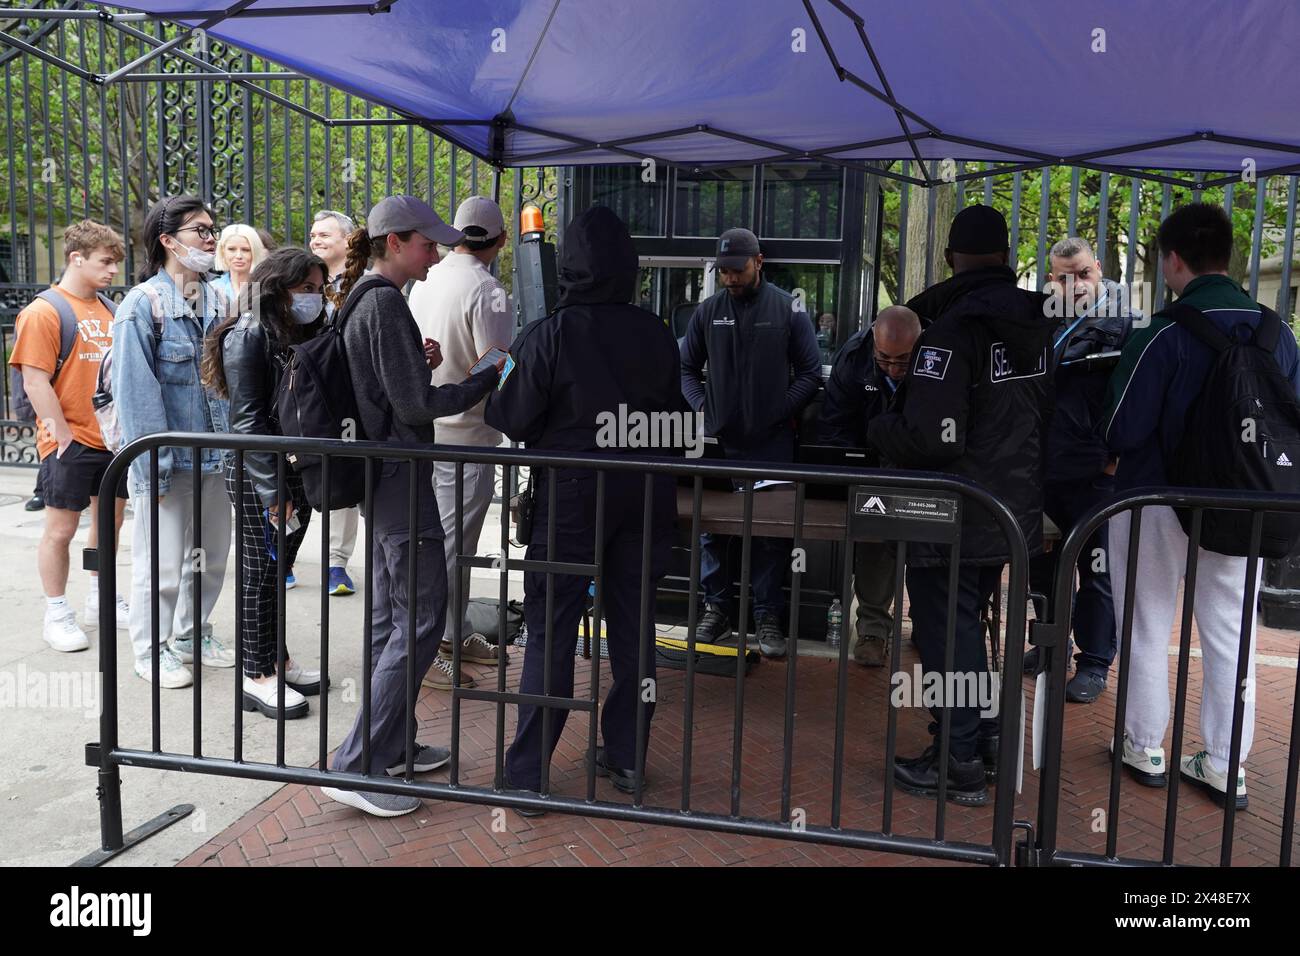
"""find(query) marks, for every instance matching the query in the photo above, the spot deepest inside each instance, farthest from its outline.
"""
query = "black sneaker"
(771, 642)
(1085, 686)
(34, 503)
(965, 778)
(713, 627)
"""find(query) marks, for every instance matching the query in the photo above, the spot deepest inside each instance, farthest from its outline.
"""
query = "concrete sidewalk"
(49, 703)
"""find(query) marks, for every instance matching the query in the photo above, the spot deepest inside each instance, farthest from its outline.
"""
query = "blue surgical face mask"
(306, 307)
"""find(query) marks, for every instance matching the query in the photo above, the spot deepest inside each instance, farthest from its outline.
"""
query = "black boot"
(965, 778)
(714, 626)
(987, 749)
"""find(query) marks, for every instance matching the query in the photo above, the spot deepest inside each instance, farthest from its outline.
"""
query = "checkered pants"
(258, 589)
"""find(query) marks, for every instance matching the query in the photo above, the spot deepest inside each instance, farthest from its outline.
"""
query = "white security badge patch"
(932, 362)
(1002, 369)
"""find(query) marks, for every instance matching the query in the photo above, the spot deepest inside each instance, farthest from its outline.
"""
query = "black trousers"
(928, 590)
(621, 565)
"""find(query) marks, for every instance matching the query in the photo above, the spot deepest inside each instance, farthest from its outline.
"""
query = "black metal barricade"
(1051, 635)
(864, 487)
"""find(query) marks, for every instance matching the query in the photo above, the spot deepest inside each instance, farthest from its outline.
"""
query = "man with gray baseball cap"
(464, 308)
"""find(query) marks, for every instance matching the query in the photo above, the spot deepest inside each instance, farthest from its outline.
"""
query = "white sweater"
(465, 309)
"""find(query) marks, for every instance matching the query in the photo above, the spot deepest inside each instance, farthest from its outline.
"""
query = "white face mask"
(196, 259)
(306, 307)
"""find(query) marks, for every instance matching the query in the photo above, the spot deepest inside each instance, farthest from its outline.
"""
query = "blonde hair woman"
(239, 250)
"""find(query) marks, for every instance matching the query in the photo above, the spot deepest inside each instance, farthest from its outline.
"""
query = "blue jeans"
(769, 557)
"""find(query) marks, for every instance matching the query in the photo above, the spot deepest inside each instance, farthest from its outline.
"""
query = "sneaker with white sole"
(375, 804)
(174, 673)
(427, 758)
(475, 649)
(1198, 769)
(62, 633)
(439, 676)
(263, 696)
(215, 654)
(1147, 764)
(92, 611)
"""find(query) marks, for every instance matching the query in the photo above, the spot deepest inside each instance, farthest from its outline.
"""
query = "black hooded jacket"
(594, 353)
(976, 403)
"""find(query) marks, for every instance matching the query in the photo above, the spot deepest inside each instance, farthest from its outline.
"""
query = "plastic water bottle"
(833, 618)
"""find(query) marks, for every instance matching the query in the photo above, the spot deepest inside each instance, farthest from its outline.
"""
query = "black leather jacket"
(254, 362)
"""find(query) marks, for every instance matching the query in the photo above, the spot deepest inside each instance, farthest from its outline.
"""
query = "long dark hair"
(166, 216)
(267, 296)
(362, 248)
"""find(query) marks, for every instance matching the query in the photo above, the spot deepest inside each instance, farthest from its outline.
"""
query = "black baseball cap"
(978, 229)
(735, 248)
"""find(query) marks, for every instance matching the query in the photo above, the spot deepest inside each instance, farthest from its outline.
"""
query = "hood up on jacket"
(598, 264)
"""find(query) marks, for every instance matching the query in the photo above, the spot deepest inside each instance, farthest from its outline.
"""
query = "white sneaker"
(375, 804)
(262, 697)
(215, 654)
(1198, 769)
(1147, 765)
(62, 633)
(174, 673)
(92, 610)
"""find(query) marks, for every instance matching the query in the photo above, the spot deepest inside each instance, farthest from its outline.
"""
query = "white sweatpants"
(476, 498)
(1220, 586)
(343, 536)
(176, 560)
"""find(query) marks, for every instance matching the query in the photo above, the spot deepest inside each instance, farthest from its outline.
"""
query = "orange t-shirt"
(37, 344)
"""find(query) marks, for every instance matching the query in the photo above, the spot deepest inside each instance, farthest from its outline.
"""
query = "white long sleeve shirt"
(465, 309)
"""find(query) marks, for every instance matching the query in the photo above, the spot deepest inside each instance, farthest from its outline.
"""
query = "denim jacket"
(156, 384)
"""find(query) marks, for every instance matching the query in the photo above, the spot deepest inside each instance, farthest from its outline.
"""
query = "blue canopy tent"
(1111, 85)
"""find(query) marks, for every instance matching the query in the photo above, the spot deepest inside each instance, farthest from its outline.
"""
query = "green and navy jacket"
(1162, 370)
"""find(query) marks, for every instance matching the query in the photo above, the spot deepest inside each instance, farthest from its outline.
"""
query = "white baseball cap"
(480, 219)
(402, 213)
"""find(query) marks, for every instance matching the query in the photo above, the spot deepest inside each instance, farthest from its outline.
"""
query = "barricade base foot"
(138, 835)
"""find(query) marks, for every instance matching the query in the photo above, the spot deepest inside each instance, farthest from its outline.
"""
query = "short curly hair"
(87, 235)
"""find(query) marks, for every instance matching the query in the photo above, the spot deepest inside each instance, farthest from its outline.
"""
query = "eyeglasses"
(885, 362)
(204, 232)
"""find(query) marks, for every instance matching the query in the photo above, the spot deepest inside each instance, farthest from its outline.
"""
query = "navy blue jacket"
(763, 365)
(1162, 371)
(1076, 450)
(856, 392)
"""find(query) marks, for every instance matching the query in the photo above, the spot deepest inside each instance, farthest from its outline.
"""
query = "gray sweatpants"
(476, 497)
(392, 597)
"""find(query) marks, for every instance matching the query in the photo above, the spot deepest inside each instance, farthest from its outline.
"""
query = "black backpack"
(316, 400)
(1243, 434)
(20, 404)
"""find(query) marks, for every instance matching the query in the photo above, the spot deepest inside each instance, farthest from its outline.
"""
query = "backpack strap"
(364, 285)
(67, 326)
(107, 303)
(1198, 324)
(1269, 330)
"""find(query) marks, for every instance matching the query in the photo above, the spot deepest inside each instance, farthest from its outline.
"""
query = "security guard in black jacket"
(763, 368)
(974, 404)
(567, 374)
(862, 384)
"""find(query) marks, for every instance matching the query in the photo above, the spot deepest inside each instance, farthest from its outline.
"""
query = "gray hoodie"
(390, 376)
